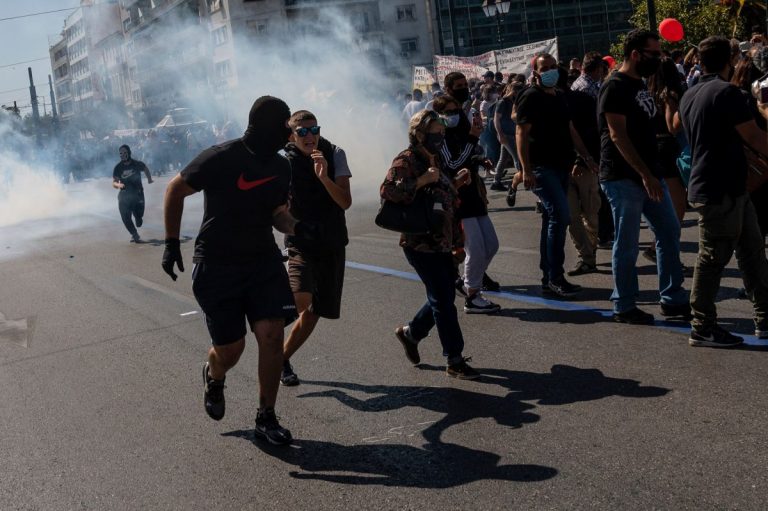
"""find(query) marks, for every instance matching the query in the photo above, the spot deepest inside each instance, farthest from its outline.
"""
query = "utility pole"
(33, 97)
(652, 15)
(54, 113)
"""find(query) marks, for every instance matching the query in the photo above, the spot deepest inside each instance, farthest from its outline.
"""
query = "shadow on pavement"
(440, 464)
(435, 466)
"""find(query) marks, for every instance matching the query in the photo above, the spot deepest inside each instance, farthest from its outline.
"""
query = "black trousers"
(130, 204)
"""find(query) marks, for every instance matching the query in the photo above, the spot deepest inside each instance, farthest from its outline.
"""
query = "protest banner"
(509, 60)
(423, 78)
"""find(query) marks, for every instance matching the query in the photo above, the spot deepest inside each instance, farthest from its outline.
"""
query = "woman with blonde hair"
(418, 170)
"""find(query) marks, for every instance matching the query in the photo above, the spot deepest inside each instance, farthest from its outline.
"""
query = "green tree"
(699, 19)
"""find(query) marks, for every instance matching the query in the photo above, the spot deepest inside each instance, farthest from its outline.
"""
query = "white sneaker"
(478, 304)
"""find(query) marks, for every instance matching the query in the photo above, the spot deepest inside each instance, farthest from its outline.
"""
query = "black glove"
(171, 255)
(309, 231)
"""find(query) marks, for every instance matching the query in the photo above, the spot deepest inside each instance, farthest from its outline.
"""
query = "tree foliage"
(699, 19)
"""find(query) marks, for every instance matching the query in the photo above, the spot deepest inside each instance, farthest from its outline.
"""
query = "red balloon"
(671, 30)
(610, 60)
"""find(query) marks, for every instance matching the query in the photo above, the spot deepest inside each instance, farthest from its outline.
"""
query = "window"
(408, 46)
(220, 36)
(258, 27)
(406, 12)
(223, 69)
(214, 5)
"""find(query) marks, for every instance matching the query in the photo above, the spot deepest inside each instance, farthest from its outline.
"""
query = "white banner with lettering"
(515, 60)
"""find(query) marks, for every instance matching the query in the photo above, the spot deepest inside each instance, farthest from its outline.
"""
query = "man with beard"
(126, 177)
(630, 175)
(239, 275)
(320, 191)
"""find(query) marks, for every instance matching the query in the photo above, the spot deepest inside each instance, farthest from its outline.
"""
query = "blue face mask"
(451, 121)
(549, 78)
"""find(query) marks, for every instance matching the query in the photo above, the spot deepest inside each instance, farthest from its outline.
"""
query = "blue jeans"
(629, 201)
(438, 274)
(552, 190)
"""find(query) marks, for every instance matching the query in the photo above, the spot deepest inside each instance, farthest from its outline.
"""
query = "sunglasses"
(303, 132)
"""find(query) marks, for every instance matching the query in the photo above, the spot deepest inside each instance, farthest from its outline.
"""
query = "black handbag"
(417, 217)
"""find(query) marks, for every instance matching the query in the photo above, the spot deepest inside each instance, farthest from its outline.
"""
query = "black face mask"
(267, 132)
(433, 141)
(461, 95)
(647, 66)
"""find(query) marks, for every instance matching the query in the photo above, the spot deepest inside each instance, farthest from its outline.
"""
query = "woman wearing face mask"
(418, 170)
(460, 151)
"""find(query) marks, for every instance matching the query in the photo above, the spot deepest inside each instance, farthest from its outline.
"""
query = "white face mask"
(451, 121)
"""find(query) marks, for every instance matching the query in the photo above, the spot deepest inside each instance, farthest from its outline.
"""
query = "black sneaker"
(478, 304)
(564, 289)
(681, 310)
(489, 284)
(650, 254)
(633, 317)
(511, 197)
(411, 348)
(498, 187)
(268, 428)
(460, 287)
(288, 377)
(582, 268)
(139, 221)
(715, 337)
(135, 238)
(213, 395)
(462, 370)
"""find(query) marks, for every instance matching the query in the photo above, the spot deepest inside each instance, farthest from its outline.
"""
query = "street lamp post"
(652, 15)
(497, 8)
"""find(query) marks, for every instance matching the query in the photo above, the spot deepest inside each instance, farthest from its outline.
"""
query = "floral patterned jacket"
(400, 186)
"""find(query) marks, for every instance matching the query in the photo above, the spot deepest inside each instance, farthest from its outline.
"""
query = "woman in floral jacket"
(418, 170)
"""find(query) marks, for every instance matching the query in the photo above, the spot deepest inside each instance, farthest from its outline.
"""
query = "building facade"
(579, 25)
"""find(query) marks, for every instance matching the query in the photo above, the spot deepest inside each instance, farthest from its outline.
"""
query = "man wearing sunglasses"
(630, 175)
(319, 193)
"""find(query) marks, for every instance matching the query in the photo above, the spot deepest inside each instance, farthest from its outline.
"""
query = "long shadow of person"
(563, 385)
(441, 466)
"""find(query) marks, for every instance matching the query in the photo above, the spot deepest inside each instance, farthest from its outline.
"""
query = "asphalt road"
(100, 356)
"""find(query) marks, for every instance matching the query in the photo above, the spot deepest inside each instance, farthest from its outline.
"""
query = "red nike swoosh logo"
(248, 185)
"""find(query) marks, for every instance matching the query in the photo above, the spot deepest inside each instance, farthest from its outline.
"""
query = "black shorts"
(321, 274)
(230, 294)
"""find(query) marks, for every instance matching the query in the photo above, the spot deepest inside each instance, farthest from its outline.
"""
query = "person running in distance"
(126, 177)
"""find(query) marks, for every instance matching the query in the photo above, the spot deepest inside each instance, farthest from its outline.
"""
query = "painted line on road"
(545, 302)
(190, 313)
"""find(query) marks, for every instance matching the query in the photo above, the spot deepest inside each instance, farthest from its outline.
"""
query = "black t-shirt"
(621, 94)
(710, 110)
(583, 109)
(129, 173)
(241, 192)
(550, 134)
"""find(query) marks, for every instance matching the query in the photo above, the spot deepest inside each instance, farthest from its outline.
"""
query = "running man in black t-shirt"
(631, 177)
(126, 177)
(718, 122)
(319, 191)
(546, 139)
(239, 275)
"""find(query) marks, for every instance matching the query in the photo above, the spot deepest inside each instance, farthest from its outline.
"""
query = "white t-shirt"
(412, 109)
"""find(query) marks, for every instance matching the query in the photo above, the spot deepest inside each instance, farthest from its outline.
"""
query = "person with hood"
(126, 177)
(417, 170)
(239, 276)
(459, 151)
(319, 191)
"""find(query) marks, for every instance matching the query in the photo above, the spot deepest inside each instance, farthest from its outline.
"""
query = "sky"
(26, 39)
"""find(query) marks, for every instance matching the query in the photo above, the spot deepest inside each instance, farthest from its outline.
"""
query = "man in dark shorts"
(126, 177)
(239, 274)
(319, 191)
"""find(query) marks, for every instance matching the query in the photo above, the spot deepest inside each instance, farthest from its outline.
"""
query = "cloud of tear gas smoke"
(30, 187)
(321, 65)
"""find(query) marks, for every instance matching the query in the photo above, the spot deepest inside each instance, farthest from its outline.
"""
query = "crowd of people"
(603, 148)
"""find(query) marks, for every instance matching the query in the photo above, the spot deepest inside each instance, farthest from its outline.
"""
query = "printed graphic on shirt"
(646, 102)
